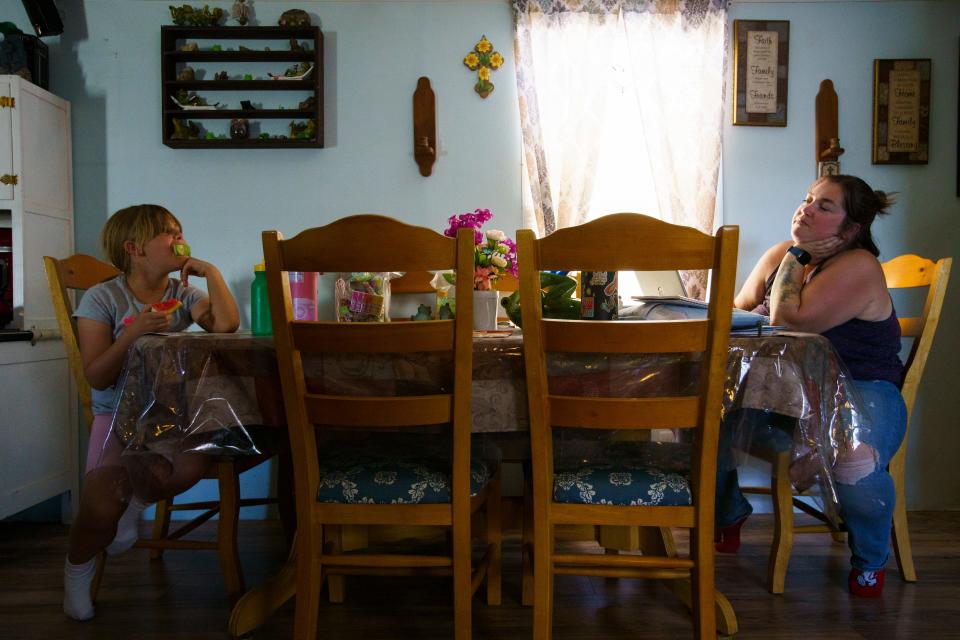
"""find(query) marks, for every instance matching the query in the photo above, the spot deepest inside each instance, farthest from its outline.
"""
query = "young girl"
(146, 243)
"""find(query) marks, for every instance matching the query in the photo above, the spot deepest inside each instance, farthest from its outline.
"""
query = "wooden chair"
(80, 272)
(902, 272)
(377, 243)
(626, 241)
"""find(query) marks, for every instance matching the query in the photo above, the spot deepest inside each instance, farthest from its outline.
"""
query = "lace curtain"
(565, 56)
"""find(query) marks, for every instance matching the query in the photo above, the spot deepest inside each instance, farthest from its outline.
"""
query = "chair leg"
(781, 493)
(494, 542)
(161, 525)
(702, 586)
(543, 581)
(285, 503)
(462, 578)
(901, 532)
(309, 577)
(526, 546)
(336, 587)
(229, 484)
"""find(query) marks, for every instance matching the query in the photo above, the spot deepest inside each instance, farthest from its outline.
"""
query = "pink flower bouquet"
(494, 255)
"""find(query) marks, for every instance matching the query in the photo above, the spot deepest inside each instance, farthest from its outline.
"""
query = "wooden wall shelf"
(209, 62)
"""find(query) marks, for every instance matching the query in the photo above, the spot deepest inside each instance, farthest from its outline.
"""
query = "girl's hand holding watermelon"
(155, 318)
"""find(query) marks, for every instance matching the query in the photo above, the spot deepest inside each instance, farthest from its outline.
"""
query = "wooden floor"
(183, 595)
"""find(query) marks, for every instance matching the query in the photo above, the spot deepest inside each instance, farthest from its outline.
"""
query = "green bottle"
(260, 323)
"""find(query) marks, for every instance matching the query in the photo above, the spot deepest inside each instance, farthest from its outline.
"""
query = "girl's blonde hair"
(140, 224)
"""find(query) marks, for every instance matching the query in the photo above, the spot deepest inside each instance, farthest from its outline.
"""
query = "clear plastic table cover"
(203, 392)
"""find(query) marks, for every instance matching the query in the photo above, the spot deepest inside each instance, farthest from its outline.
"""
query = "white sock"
(77, 579)
(127, 528)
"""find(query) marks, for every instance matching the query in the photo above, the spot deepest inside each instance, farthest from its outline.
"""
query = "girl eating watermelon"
(146, 243)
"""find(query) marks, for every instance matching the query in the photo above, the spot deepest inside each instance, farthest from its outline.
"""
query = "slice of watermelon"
(166, 306)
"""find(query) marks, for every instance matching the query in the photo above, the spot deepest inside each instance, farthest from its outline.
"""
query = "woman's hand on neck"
(822, 249)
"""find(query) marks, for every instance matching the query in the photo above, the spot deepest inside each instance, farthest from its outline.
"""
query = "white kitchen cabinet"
(38, 413)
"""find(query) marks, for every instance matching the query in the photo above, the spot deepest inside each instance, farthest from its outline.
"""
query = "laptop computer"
(660, 283)
(664, 286)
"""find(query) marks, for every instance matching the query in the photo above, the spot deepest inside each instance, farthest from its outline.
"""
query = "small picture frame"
(901, 111)
(761, 56)
(828, 168)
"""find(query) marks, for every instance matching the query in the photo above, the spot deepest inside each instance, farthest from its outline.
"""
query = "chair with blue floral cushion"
(388, 472)
(619, 481)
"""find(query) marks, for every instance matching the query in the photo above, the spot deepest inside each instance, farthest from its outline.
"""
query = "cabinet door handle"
(9, 179)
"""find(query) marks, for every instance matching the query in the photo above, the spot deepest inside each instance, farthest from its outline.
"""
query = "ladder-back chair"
(626, 241)
(903, 272)
(379, 244)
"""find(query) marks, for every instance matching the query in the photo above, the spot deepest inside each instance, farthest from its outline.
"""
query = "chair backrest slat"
(373, 337)
(575, 336)
(373, 412)
(625, 413)
(636, 249)
(350, 244)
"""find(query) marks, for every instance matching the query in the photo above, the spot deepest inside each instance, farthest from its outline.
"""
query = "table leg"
(259, 603)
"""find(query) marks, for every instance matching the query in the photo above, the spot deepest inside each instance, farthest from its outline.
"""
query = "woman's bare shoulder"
(859, 259)
(774, 254)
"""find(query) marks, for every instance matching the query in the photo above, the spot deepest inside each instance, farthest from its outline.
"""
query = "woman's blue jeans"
(866, 497)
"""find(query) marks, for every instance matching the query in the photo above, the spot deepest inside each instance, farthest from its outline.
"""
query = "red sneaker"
(866, 584)
(727, 538)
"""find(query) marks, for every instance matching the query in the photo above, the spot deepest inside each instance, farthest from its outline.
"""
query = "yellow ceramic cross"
(482, 59)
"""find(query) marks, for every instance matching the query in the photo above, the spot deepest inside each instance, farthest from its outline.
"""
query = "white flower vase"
(486, 304)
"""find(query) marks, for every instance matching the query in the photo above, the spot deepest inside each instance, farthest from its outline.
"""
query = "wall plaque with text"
(760, 51)
(901, 111)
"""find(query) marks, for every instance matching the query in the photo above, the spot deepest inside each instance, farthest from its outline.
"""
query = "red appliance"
(6, 276)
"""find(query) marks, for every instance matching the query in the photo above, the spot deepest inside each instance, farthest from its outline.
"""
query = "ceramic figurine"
(185, 15)
(239, 128)
(242, 12)
(423, 313)
(303, 130)
(188, 130)
(221, 75)
(187, 74)
(294, 18)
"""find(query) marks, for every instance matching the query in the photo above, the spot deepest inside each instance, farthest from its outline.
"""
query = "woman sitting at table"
(146, 243)
(827, 280)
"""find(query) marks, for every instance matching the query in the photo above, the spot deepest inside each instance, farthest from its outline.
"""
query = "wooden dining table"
(177, 390)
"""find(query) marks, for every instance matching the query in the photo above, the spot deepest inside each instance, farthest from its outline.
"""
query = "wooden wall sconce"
(828, 149)
(424, 126)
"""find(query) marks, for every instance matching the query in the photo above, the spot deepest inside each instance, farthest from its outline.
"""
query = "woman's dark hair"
(862, 205)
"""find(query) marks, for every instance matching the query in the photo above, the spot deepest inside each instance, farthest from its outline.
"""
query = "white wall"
(108, 63)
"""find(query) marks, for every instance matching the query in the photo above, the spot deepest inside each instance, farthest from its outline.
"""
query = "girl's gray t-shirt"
(112, 301)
